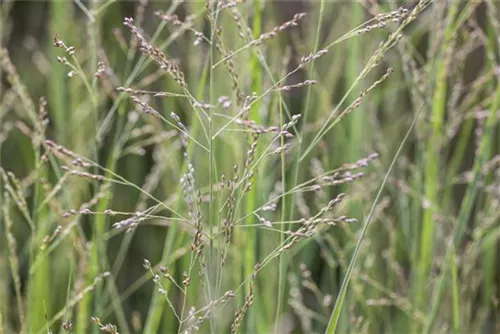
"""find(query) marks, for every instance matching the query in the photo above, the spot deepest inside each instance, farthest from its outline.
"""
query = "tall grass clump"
(249, 167)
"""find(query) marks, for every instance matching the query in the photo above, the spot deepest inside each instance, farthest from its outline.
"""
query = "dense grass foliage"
(249, 166)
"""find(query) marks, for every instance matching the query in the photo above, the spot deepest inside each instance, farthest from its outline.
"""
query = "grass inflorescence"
(249, 167)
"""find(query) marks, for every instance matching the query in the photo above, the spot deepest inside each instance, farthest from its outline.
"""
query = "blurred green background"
(428, 260)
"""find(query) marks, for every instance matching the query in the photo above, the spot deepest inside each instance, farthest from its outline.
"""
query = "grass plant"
(249, 167)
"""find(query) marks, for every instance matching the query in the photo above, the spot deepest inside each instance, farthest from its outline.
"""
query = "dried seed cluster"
(309, 225)
(57, 42)
(311, 57)
(229, 62)
(107, 328)
(61, 149)
(240, 313)
(156, 54)
(194, 319)
(228, 221)
(193, 200)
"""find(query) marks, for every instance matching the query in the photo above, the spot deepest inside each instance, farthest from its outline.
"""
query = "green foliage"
(249, 167)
